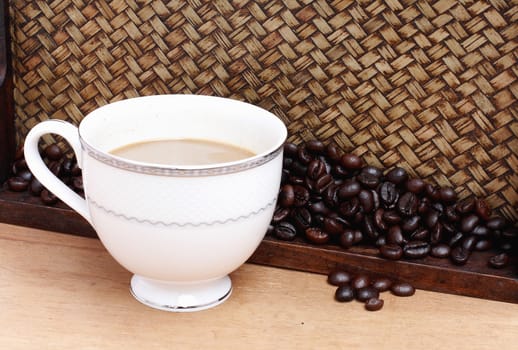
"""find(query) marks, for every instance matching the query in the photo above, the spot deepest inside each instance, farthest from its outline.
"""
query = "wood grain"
(62, 291)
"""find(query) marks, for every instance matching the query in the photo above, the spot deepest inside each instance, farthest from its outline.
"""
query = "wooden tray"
(474, 279)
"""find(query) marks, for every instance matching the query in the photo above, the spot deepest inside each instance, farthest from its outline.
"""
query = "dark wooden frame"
(475, 279)
(7, 132)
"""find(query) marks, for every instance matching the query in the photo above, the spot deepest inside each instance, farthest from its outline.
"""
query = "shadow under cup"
(181, 229)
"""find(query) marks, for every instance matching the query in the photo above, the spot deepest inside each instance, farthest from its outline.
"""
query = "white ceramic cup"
(179, 229)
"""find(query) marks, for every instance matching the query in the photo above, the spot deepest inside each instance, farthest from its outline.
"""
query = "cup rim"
(186, 170)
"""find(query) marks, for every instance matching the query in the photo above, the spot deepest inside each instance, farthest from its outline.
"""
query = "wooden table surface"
(66, 292)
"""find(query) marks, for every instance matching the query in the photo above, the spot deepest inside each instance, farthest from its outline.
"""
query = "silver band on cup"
(155, 169)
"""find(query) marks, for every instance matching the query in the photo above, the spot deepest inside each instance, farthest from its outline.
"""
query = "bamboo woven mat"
(428, 85)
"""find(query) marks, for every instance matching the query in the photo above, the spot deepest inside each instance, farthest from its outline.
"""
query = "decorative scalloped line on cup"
(180, 224)
(153, 169)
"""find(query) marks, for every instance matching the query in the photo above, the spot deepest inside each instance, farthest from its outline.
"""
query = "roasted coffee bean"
(391, 251)
(358, 236)
(439, 207)
(378, 219)
(339, 171)
(455, 239)
(469, 242)
(76, 170)
(285, 175)
(468, 223)
(480, 230)
(496, 223)
(432, 192)
(298, 169)
(319, 208)
(316, 168)
(301, 196)
(366, 293)
(459, 255)
(351, 161)
(25, 174)
(483, 245)
(280, 214)
(17, 184)
(333, 226)
(436, 233)
(285, 231)
(407, 204)
(344, 293)
(48, 197)
(369, 228)
(448, 228)
(411, 224)
(374, 304)
(53, 152)
(303, 154)
(375, 199)
(440, 251)
(322, 183)
(286, 196)
(350, 188)
(366, 200)
(424, 206)
(499, 261)
(67, 165)
(395, 235)
(331, 196)
(19, 166)
(397, 176)
(360, 281)
(77, 184)
(382, 284)
(368, 180)
(372, 170)
(416, 249)
(349, 208)
(451, 214)
(391, 217)
(415, 185)
(421, 234)
(339, 277)
(315, 146)
(447, 195)
(466, 206)
(402, 289)
(56, 168)
(482, 209)
(317, 235)
(347, 238)
(290, 149)
(389, 194)
(431, 218)
(380, 241)
(35, 187)
(301, 218)
(333, 153)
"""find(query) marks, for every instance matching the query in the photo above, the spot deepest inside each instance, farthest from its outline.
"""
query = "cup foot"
(180, 297)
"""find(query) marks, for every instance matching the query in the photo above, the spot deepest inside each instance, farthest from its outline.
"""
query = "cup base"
(180, 297)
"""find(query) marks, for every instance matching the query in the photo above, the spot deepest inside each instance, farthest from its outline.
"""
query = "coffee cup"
(180, 229)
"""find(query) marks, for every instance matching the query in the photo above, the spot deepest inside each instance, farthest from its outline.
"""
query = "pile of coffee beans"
(331, 197)
(61, 165)
(365, 289)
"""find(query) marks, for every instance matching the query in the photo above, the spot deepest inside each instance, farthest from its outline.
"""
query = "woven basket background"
(428, 85)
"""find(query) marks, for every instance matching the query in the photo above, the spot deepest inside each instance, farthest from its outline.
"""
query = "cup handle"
(38, 168)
